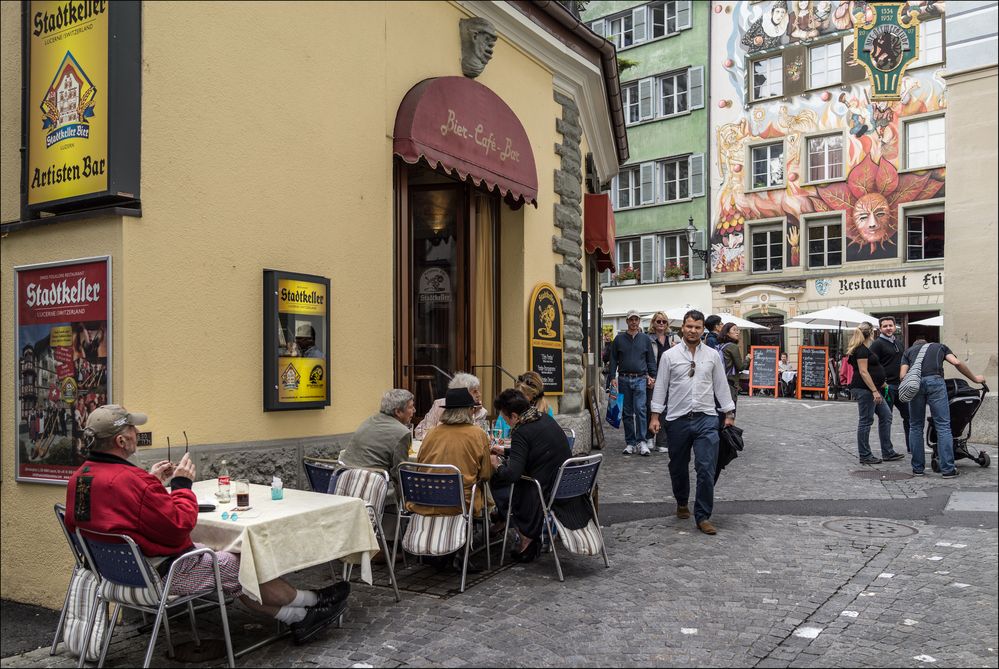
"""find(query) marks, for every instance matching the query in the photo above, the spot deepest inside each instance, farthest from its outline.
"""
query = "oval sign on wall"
(547, 337)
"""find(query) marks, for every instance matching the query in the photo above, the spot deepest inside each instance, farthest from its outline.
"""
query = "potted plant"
(628, 276)
(675, 271)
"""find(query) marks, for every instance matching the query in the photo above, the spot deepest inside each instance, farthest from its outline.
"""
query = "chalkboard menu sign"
(547, 337)
(813, 369)
(763, 369)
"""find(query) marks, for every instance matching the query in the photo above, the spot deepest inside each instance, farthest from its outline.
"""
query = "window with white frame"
(824, 63)
(825, 158)
(768, 77)
(768, 248)
(668, 18)
(634, 186)
(620, 30)
(930, 44)
(629, 94)
(924, 143)
(825, 242)
(648, 22)
(629, 254)
(676, 179)
(638, 100)
(925, 235)
(681, 91)
(768, 165)
(674, 256)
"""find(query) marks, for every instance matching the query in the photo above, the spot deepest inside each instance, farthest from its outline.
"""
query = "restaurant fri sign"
(547, 337)
(886, 46)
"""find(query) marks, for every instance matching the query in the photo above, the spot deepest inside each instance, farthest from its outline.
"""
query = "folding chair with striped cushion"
(576, 478)
(435, 485)
(128, 580)
(372, 486)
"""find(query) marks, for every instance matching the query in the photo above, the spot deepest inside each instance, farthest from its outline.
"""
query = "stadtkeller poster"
(63, 351)
(301, 362)
(67, 99)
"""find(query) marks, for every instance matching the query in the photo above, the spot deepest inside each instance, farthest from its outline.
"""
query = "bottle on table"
(225, 486)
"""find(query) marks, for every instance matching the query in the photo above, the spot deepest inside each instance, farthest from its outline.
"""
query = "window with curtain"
(924, 142)
(825, 158)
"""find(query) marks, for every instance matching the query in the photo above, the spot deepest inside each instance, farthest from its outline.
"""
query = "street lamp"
(703, 254)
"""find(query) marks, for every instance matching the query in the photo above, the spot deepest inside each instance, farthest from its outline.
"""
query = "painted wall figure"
(871, 182)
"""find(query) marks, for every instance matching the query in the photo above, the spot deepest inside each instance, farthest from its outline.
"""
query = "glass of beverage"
(242, 493)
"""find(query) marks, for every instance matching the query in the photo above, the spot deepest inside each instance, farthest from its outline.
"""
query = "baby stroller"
(964, 403)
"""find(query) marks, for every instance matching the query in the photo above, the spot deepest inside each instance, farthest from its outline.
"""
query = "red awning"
(599, 230)
(461, 125)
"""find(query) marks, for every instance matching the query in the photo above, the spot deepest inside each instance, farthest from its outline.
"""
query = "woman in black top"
(538, 448)
(867, 388)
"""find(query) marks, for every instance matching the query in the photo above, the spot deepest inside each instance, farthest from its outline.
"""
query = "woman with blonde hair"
(532, 386)
(659, 334)
(867, 386)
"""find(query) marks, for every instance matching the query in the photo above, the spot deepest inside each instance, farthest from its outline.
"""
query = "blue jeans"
(932, 391)
(903, 411)
(633, 390)
(867, 408)
(700, 434)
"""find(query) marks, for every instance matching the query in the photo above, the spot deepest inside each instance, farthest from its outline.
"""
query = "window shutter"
(638, 24)
(648, 174)
(695, 88)
(696, 264)
(648, 259)
(696, 165)
(851, 72)
(645, 89)
(683, 14)
(795, 70)
(613, 193)
(598, 27)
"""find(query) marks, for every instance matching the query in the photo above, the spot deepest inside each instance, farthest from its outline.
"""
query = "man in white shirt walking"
(690, 383)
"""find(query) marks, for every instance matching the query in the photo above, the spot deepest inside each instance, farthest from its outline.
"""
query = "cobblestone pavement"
(913, 582)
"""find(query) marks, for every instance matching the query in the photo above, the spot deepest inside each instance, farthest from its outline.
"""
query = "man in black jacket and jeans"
(889, 352)
(632, 358)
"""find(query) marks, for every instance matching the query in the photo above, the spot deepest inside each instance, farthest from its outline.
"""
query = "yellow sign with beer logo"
(301, 297)
(67, 100)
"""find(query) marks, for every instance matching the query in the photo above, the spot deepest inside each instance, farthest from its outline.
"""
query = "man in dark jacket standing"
(889, 352)
(633, 359)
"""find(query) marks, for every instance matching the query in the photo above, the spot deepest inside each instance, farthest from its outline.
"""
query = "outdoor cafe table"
(277, 537)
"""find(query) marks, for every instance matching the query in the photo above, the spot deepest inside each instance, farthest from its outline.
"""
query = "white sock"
(291, 614)
(304, 598)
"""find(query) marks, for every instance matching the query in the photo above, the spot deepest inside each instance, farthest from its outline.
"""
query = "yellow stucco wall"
(266, 143)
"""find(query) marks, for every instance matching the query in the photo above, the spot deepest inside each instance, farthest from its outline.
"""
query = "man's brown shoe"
(682, 512)
(706, 527)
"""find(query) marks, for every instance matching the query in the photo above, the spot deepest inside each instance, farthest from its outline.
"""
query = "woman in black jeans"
(538, 447)
(866, 388)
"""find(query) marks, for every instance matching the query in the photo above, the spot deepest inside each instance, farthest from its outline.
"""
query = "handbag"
(81, 602)
(614, 412)
(909, 386)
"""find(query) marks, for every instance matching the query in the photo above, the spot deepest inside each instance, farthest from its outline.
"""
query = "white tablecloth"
(788, 376)
(277, 537)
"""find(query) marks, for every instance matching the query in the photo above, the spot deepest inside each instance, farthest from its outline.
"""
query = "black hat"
(458, 398)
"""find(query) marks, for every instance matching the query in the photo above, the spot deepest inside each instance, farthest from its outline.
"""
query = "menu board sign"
(813, 369)
(296, 341)
(763, 368)
(546, 337)
(63, 336)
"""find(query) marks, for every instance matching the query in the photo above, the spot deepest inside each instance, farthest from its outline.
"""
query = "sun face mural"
(859, 177)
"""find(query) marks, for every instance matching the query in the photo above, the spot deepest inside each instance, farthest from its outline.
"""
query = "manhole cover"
(869, 528)
(881, 476)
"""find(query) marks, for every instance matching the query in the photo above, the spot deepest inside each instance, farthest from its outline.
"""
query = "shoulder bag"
(909, 386)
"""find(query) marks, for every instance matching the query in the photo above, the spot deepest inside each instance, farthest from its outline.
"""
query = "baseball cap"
(305, 330)
(633, 314)
(110, 419)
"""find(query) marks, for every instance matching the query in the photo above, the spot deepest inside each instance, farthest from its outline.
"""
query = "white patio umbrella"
(795, 325)
(742, 322)
(836, 317)
(675, 314)
(936, 321)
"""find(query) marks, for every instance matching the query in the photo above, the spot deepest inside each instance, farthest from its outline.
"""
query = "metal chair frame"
(375, 515)
(320, 466)
(143, 575)
(60, 513)
(450, 476)
(570, 435)
(577, 483)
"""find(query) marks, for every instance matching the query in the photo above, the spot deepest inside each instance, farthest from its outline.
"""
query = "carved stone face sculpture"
(872, 219)
(478, 36)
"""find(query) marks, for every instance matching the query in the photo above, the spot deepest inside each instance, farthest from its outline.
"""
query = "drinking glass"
(242, 493)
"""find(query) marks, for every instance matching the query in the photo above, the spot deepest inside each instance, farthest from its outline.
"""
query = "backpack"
(846, 371)
(729, 369)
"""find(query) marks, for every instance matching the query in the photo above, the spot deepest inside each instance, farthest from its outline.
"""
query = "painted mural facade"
(784, 76)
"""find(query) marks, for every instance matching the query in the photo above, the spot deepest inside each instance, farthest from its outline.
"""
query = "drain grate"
(865, 527)
(881, 476)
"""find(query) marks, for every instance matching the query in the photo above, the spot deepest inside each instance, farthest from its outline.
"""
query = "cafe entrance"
(448, 259)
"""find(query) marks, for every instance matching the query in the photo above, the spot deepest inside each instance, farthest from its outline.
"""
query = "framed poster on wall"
(546, 339)
(296, 341)
(63, 339)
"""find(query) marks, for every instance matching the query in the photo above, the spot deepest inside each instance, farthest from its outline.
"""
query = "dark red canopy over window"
(461, 125)
(599, 230)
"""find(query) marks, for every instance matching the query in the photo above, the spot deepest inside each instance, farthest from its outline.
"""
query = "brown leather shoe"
(706, 527)
(682, 512)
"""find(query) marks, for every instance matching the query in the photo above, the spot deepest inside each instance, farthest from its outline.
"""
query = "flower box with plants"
(675, 271)
(627, 276)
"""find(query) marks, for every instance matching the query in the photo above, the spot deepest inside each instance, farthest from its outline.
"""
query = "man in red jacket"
(110, 494)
